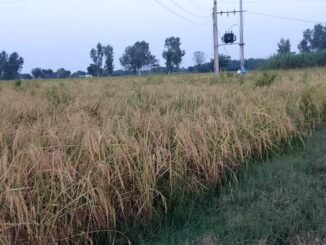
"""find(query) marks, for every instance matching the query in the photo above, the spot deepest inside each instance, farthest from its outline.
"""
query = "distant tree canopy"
(138, 56)
(62, 73)
(109, 56)
(199, 58)
(99, 54)
(3, 63)
(39, 73)
(25, 76)
(10, 65)
(47, 73)
(284, 46)
(78, 74)
(96, 54)
(313, 40)
(173, 53)
(224, 62)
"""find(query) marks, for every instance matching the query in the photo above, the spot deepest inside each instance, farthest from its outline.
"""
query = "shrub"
(266, 79)
(18, 83)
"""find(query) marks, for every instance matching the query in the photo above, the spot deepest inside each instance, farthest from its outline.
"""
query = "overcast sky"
(60, 33)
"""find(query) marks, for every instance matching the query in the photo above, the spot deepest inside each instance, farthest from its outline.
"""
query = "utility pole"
(242, 59)
(216, 45)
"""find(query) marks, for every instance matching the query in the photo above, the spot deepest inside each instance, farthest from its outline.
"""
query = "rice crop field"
(83, 156)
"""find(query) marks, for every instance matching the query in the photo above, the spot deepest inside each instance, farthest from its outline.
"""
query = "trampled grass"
(89, 155)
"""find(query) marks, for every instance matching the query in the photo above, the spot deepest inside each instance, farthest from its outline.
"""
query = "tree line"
(138, 59)
(312, 50)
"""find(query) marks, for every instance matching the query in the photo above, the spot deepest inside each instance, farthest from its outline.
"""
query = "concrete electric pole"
(216, 45)
(242, 59)
(228, 42)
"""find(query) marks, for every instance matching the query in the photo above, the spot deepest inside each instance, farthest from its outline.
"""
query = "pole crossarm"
(231, 12)
(227, 44)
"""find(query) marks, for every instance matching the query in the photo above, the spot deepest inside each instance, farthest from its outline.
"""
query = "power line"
(179, 15)
(277, 1)
(199, 6)
(189, 12)
(13, 1)
(285, 18)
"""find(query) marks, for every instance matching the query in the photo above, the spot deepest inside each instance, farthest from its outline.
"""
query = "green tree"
(137, 56)
(304, 45)
(13, 66)
(62, 73)
(78, 74)
(97, 55)
(48, 74)
(37, 73)
(224, 62)
(199, 59)
(318, 41)
(173, 53)
(284, 46)
(92, 70)
(3, 62)
(313, 40)
(109, 56)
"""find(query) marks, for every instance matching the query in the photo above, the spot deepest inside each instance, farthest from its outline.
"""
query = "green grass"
(281, 201)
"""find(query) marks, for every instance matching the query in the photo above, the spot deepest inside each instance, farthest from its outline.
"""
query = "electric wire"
(180, 16)
(285, 18)
(13, 1)
(199, 6)
(187, 11)
(279, 1)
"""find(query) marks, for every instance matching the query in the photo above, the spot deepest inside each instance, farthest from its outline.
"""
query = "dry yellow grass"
(78, 156)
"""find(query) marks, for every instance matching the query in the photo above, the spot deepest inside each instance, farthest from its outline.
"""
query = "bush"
(266, 80)
(18, 83)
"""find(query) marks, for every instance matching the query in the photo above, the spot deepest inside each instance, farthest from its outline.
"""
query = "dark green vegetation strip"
(282, 201)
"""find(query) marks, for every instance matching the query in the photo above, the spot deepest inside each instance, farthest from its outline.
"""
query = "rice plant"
(95, 155)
